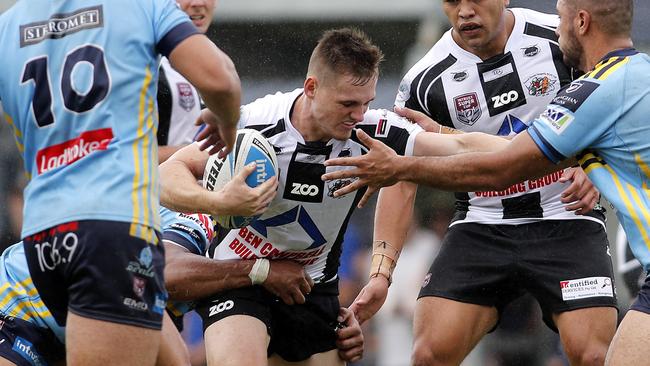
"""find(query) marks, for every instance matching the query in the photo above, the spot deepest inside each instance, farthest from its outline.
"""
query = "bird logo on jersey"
(185, 96)
(335, 185)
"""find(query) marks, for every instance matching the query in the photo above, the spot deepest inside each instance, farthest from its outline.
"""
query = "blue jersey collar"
(623, 52)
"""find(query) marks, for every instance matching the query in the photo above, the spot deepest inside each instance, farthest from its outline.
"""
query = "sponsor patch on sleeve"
(575, 94)
(558, 118)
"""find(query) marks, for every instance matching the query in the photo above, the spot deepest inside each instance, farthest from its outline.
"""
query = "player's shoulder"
(442, 52)
(268, 110)
(383, 120)
(529, 16)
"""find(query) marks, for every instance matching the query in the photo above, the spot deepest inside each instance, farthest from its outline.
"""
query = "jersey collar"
(624, 52)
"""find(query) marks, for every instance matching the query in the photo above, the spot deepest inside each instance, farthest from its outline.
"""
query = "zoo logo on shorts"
(583, 288)
(223, 306)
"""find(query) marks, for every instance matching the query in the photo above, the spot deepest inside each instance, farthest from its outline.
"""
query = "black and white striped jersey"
(499, 96)
(179, 106)
(305, 222)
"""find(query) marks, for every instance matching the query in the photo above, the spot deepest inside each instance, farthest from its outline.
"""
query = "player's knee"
(428, 354)
(591, 355)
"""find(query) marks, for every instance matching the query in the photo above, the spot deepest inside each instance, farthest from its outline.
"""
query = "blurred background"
(270, 42)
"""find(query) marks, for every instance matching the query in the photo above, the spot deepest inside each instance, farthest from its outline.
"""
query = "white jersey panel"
(184, 108)
(305, 222)
(498, 96)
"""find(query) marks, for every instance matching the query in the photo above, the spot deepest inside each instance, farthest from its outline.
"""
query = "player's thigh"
(173, 351)
(236, 340)
(449, 328)
(329, 358)
(5, 362)
(96, 342)
(587, 331)
(567, 266)
(630, 344)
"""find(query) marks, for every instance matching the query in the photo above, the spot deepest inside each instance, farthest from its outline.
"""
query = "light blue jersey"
(78, 85)
(604, 119)
(18, 296)
(193, 232)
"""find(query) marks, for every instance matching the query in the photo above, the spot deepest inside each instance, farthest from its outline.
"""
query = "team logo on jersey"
(573, 96)
(541, 84)
(427, 279)
(468, 108)
(61, 25)
(459, 76)
(531, 51)
(139, 285)
(185, 96)
(558, 118)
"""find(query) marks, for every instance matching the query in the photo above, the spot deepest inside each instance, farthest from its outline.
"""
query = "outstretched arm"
(519, 160)
(189, 276)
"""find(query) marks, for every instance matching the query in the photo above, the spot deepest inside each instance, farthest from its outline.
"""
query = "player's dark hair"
(347, 51)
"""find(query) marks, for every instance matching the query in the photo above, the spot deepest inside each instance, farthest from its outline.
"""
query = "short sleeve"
(578, 117)
(172, 26)
(391, 129)
(191, 231)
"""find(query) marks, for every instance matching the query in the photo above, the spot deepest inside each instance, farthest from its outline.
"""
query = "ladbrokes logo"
(68, 152)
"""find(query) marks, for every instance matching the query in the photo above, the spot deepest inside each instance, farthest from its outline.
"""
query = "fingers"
(357, 184)
(364, 137)
(245, 172)
(305, 287)
(366, 196)
(309, 280)
(298, 297)
(343, 162)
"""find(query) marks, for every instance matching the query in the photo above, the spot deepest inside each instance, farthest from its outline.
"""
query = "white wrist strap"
(260, 271)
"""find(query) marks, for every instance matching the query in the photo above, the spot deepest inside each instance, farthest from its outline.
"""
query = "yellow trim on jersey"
(599, 67)
(598, 163)
(628, 204)
(607, 68)
(135, 197)
(18, 134)
(20, 290)
(643, 209)
(613, 69)
(644, 167)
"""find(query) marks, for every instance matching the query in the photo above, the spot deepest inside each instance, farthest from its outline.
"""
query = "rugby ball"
(250, 146)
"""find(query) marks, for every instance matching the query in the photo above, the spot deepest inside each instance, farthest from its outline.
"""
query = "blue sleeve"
(172, 26)
(580, 116)
(194, 232)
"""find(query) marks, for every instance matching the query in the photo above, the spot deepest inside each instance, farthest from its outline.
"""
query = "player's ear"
(583, 22)
(310, 86)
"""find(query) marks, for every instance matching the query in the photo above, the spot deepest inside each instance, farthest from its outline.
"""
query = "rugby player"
(496, 68)
(79, 92)
(304, 222)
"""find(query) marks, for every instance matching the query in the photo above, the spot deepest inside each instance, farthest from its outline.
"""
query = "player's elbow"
(221, 81)
(500, 179)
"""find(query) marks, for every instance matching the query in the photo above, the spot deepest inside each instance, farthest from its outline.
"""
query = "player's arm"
(189, 276)
(180, 191)
(519, 160)
(393, 216)
(165, 152)
(213, 74)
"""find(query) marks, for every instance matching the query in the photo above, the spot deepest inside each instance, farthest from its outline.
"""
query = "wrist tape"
(384, 260)
(260, 271)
